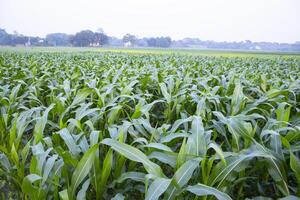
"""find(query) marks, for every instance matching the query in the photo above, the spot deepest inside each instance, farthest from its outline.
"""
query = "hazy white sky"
(220, 20)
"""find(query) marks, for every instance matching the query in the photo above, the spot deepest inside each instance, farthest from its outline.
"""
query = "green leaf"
(157, 188)
(41, 124)
(181, 157)
(14, 155)
(4, 162)
(83, 168)
(173, 136)
(218, 150)
(238, 99)
(163, 157)
(28, 187)
(70, 142)
(118, 196)
(283, 113)
(107, 166)
(82, 193)
(221, 172)
(203, 190)
(159, 146)
(81, 96)
(137, 111)
(166, 94)
(275, 92)
(48, 167)
(182, 176)
(134, 154)
(113, 115)
(197, 139)
(136, 176)
(290, 197)
(178, 123)
(295, 166)
(64, 194)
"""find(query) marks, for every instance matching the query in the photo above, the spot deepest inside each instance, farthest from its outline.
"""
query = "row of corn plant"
(119, 126)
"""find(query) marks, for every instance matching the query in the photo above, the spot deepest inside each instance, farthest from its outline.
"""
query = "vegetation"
(100, 125)
(88, 38)
(155, 51)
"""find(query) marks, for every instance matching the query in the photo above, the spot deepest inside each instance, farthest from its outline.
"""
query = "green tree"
(129, 38)
(83, 38)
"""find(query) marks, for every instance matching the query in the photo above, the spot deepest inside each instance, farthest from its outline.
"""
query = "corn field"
(141, 126)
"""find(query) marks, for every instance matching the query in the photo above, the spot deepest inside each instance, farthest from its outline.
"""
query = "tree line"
(88, 38)
(84, 38)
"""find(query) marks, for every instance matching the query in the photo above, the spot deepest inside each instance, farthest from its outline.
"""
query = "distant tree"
(5, 38)
(295, 46)
(99, 30)
(18, 40)
(37, 41)
(83, 38)
(128, 38)
(151, 42)
(58, 39)
(159, 42)
(114, 41)
(164, 42)
(88, 38)
(100, 39)
(142, 42)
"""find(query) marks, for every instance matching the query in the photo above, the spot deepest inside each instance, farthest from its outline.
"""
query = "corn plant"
(118, 126)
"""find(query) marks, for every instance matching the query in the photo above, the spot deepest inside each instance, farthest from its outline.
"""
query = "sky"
(219, 20)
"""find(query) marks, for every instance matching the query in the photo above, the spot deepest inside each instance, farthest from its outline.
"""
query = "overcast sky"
(220, 20)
